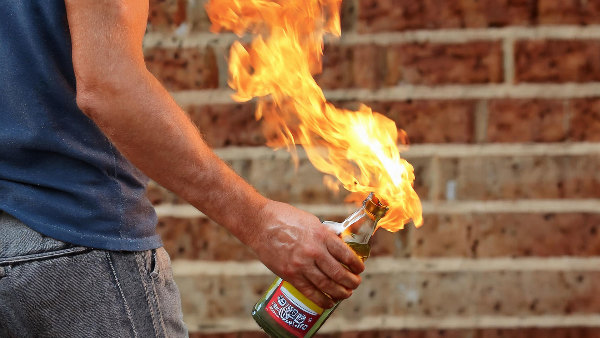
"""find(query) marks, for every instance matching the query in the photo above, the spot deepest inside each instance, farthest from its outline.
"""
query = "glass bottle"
(284, 312)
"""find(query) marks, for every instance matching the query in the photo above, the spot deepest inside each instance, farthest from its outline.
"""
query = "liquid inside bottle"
(285, 312)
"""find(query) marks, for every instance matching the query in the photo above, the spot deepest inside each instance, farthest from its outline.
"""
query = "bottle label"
(296, 316)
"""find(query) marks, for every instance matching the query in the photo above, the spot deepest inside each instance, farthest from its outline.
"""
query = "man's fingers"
(337, 273)
(327, 285)
(309, 290)
(344, 254)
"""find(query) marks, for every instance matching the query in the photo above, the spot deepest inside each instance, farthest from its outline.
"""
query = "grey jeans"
(49, 288)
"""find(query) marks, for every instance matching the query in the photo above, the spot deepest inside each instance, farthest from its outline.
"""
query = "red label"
(290, 313)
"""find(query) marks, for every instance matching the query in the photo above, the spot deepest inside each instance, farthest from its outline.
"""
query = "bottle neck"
(360, 226)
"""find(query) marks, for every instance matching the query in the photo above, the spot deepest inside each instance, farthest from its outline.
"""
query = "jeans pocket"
(43, 255)
(160, 266)
(154, 263)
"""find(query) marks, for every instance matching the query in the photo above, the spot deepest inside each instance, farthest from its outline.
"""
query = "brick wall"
(501, 103)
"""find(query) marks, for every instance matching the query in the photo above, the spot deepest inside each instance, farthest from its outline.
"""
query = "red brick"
(585, 122)
(554, 332)
(465, 294)
(431, 121)
(227, 124)
(211, 298)
(360, 66)
(372, 66)
(183, 68)
(397, 15)
(166, 15)
(282, 181)
(200, 238)
(337, 67)
(242, 334)
(159, 195)
(568, 12)
(535, 235)
(507, 235)
(441, 236)
(527, 121)
(521, 177)
(432, 64)
(279, 179)
(528, 293)
(557, 61)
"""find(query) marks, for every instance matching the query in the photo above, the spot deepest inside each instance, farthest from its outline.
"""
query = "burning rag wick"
(359, 148)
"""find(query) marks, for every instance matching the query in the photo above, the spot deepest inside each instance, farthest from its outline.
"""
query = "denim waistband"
(19, 243)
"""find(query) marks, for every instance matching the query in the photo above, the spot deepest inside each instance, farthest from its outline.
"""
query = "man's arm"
(133, 109)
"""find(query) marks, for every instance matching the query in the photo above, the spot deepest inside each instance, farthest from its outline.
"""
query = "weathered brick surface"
(373, 66)
(227, 124)
(397, 15)
(573, 12)
(200, 238)
(425, 121)
(560, 332)
(369, 16)
(208, 298)
(585, 121)
(159, 195)
(441, 236)
(501, 235)
(183, 68)
(279, 179)
(400, 15)
(527, 121)
(352, 66)
(572, 332)
(166, 15)
(474, 62)
(557, 61)
(471, 235)
(240, 334)
(429, 294)
(473, 293)
(462, 293)
(520, 177)
(531, 120)
(431, 121)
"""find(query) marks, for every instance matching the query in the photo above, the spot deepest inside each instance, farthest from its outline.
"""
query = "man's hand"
(302, 251)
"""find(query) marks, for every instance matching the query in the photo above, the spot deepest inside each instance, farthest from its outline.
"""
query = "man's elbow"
(87, 102)
(97, 93)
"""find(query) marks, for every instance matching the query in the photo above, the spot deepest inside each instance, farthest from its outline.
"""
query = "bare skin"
(134, 110)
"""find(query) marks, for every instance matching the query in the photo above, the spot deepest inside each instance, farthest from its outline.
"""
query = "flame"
(359, 147)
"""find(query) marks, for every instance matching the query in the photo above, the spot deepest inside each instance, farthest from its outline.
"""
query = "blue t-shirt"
(59, 174)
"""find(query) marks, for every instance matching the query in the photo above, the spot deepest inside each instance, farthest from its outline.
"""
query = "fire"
(360, 148)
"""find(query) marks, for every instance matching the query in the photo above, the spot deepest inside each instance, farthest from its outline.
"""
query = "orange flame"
(358, 147)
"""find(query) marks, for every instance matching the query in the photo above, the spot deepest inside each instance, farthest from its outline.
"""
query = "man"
(79, 114)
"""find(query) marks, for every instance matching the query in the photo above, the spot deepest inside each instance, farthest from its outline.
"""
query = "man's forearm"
(148, 127)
